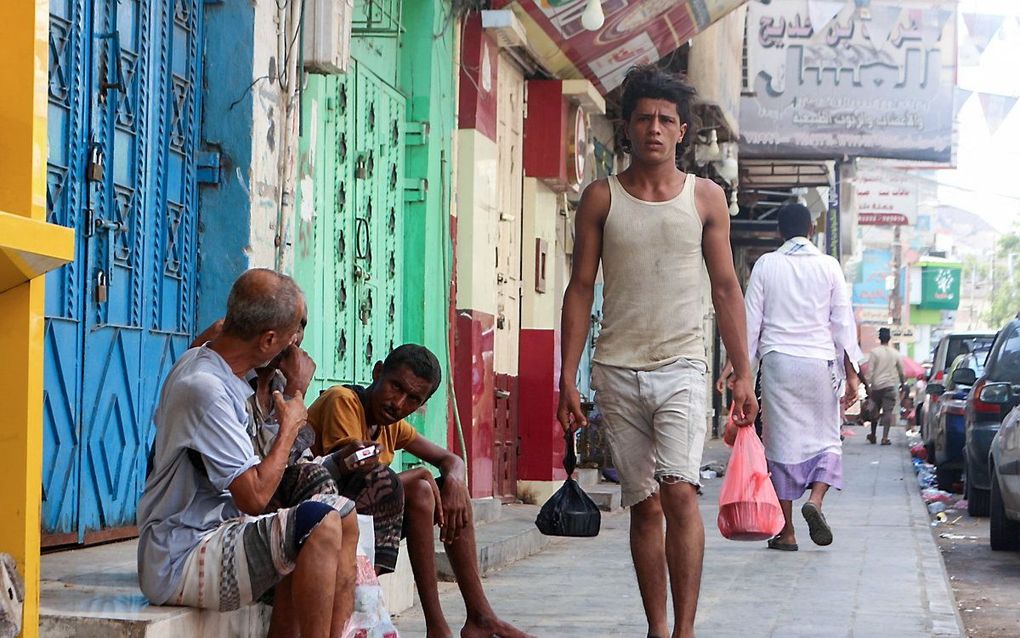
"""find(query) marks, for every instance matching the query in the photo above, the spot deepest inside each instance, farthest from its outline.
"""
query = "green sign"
(940, 287)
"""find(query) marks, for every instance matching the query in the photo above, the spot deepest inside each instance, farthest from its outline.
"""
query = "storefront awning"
(634, 32)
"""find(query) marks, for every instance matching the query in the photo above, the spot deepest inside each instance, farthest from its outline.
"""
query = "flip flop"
(886, 442)
(784, 547)
(818, 528)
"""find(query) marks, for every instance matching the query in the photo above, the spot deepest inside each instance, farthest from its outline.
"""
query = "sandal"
(818, 528)
(871, 439)
(785, 547)
(886, 442)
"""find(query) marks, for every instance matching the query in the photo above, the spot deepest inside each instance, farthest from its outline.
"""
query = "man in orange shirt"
(350, 418)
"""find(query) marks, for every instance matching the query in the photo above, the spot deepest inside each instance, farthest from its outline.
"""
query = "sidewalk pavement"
(882, 576)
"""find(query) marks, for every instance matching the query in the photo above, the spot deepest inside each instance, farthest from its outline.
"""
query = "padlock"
(102, 289)
(96, 164)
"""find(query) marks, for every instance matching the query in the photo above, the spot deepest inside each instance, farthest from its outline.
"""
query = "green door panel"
(349, 254)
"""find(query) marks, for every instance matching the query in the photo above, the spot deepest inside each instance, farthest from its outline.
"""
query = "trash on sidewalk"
(919, 452)
(957, 537)
(716, 466)
(708, 474)
(937, 507)
(925, 474)
(931, 495)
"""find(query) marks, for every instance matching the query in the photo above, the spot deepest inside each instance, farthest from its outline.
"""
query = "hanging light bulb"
(593, 18)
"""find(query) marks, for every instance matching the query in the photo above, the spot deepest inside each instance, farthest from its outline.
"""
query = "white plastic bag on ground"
(370, 619)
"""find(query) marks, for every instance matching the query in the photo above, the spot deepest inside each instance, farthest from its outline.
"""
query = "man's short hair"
(794, 221)
(884, 335)
(651, 81)
(419, 360)
(261, 300)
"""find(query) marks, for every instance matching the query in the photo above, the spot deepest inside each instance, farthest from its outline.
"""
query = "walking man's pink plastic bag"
(748, 506)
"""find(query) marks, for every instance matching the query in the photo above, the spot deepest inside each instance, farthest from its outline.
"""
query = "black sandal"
(818, 528)
(774, 543)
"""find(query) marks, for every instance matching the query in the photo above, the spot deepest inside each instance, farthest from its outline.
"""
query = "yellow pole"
(24, 50)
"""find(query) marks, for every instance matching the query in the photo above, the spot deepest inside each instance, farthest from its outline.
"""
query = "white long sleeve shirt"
(797, 304)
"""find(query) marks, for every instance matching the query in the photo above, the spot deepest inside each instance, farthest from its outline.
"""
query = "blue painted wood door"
(123, 96)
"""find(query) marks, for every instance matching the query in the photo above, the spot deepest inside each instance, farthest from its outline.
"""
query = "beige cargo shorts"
(656, 421)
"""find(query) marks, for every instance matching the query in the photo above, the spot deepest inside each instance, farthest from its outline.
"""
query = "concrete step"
(588, 477)
(606, 496)
(486, 510)
(501, 542)
(93, 593)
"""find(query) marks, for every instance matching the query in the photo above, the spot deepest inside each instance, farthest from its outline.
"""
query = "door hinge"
(416, 133)
(416, 189)
(207, 164)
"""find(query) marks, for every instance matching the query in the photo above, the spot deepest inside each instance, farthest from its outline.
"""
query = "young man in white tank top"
(651, 227)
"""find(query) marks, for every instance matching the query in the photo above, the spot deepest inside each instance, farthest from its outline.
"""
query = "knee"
(648, 512)
(328, 535)
(418, 496)
(349, 528)
(678, 496)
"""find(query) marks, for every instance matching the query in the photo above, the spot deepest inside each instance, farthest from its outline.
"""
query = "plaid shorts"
(234, 564)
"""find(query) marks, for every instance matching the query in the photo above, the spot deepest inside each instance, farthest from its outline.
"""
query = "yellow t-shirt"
(338, 418)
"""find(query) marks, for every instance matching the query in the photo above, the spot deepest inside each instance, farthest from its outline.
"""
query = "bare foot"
(489, 627)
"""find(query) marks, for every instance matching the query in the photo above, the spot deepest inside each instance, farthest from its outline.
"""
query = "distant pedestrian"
(801, 326)
(654, 228)
(885, 369)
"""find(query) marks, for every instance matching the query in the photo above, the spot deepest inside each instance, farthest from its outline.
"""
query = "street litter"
(919, 452)
(957, 537)
(930, 495)
(708, 474)
(716, 466)
(937, 508)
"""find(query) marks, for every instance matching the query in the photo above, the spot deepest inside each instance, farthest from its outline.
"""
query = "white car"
(1004, 460)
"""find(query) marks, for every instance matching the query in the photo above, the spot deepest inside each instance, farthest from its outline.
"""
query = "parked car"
(994, 394)
(946, 351)
(947, 430)
(1004, 460)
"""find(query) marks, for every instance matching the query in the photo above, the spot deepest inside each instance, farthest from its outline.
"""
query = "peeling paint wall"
(251, 118)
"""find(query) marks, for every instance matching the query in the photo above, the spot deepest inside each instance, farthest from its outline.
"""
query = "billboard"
(872, 288)
(940, 286)
(829, 79)
(885, 197)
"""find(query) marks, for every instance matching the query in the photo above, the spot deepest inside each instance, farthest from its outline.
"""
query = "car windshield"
(960, 345)
(974, 360)
(1007, 365)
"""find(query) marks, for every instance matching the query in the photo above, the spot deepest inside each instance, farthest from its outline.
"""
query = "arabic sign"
(940, 287)
(830, 83)
(872, 288)
(884, 200)
(634, 32)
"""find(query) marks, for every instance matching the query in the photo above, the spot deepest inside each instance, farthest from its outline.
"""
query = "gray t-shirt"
(202, 445)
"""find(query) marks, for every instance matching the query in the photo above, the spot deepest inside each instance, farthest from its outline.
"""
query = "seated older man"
(204, 539)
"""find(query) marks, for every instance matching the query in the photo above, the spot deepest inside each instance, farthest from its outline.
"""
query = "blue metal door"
(123, 135)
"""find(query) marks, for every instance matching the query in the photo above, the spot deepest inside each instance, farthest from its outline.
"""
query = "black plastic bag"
(569, 512)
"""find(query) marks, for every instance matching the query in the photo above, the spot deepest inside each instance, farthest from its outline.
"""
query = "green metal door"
(350, 236)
